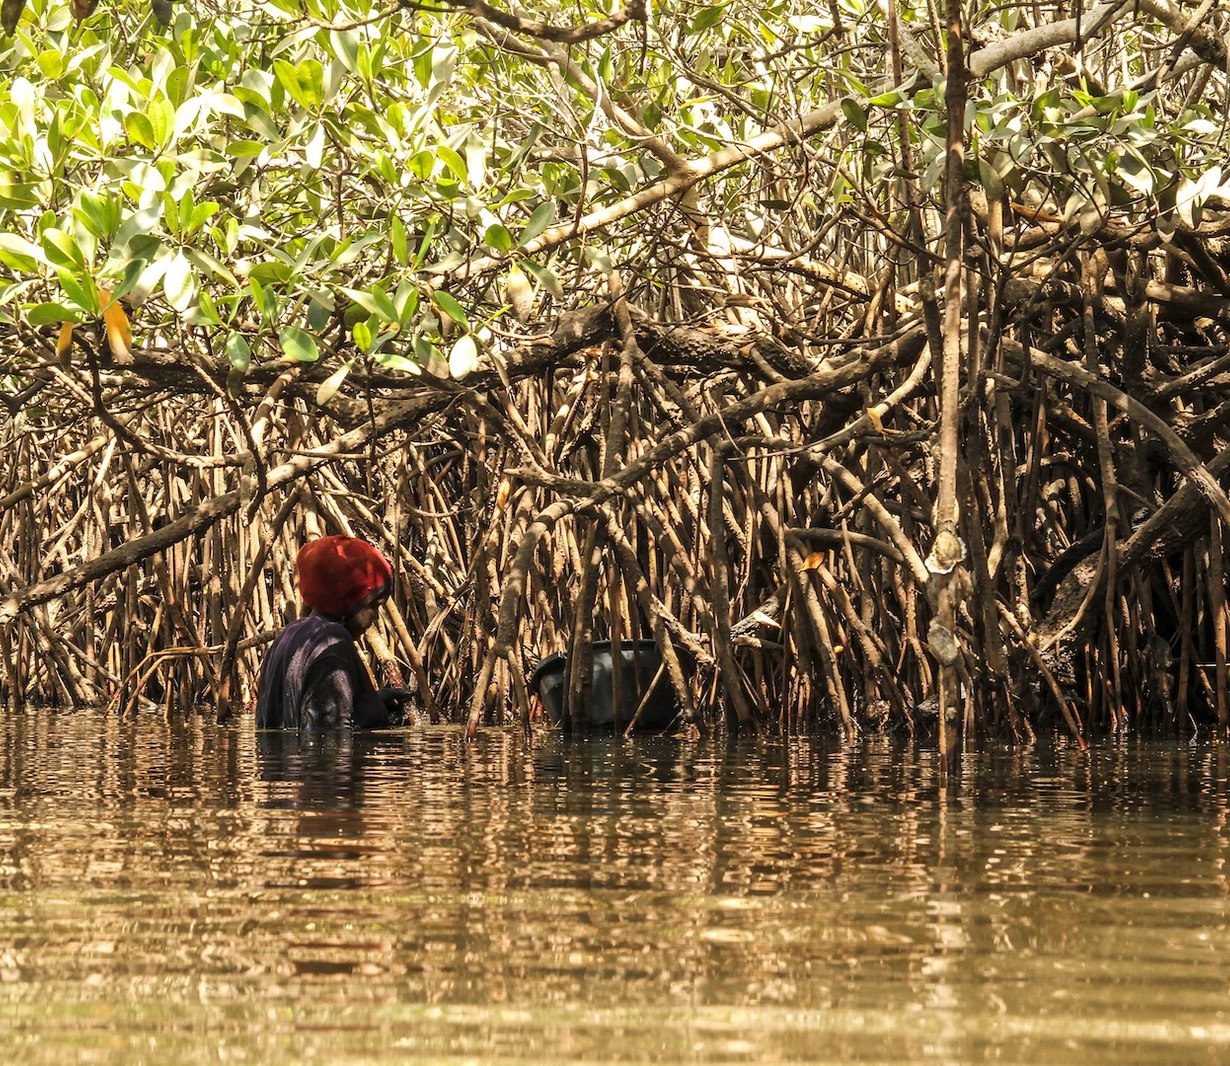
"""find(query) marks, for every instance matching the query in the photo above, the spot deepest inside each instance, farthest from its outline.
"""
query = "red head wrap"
(338, 575)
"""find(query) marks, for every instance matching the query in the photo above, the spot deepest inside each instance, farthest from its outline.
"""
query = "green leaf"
(205, 313)
(498, 237)
(363, 63)
(707, 18)
(161, 117)
(1136, 174)
(888, 99)
(62, 249)
(201, 214)
(990, 180)
(406, 300)
(211, 266)
(393, 361)
(138, 225)
(51, 63)
(421, 164)
(452, 160)
(376, 302)
(346, 47)
(855, 115)
(132, 274)
(100, 216)
(18, 193)
(244, 149)
(19, 254)
(397, 235)
(170, 214)
(546, 278)
(266, 302)
(384, 305)
(151, 276)
(298, 345)
(304, 82)
(140, 130)
(425, 244)
(543, 216)
(328, 387)
(45, 314)
(238, 352)
(451, 307)
(601, 259)
(81, 290)
(226, 104)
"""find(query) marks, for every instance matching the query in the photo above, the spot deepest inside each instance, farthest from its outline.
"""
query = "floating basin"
(641, 663)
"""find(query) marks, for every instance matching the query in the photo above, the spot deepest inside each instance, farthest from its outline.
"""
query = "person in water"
(313, 677)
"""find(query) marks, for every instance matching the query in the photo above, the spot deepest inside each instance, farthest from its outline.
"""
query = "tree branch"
(633, 12)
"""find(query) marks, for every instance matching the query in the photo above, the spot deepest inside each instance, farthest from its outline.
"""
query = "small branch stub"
(943, 644)
(947, 553)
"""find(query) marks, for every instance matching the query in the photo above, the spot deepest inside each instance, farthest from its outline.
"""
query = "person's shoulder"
(331, 636)
(318, 632)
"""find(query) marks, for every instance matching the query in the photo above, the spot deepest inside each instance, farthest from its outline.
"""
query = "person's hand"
(395, 702)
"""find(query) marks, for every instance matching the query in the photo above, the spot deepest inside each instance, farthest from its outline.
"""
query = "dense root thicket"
(765, 516)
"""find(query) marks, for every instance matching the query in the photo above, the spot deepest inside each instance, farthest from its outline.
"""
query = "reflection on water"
(195, 894)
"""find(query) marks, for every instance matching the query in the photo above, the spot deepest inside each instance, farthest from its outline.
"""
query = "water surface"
(189, 893)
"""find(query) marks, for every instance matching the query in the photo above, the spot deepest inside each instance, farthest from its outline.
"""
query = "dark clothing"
(313, 679)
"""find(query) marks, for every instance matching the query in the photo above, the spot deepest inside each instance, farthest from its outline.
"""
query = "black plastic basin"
(641, 663)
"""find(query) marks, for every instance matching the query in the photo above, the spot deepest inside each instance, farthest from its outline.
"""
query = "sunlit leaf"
(328, 388)
(519, 293)
(179, 283)
(19, 254)
(463, 357)
(453, 161)
(298, 345)
(345, 44)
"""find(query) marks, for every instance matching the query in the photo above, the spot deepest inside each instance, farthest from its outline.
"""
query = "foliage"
(289, 181)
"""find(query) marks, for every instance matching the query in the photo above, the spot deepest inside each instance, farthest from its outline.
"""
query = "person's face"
(362, 619)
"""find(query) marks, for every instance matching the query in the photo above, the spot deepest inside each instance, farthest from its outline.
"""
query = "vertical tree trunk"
(946, 551)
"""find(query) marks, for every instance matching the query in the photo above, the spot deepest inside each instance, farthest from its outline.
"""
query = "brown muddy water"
(195, 894)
